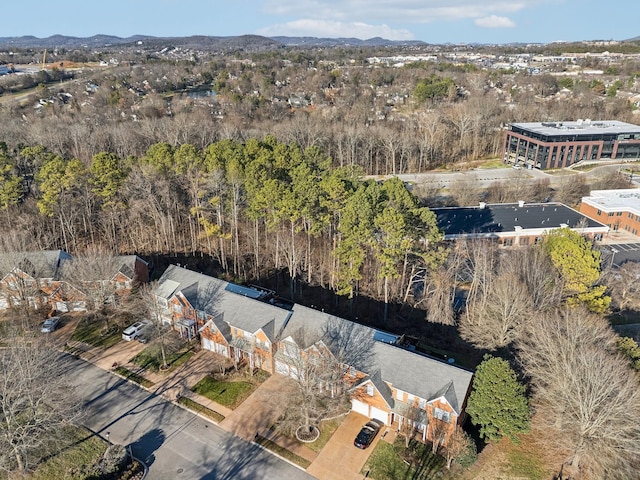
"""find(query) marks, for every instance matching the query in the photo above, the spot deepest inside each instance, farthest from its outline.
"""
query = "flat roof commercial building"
(514, 223)
(550, 145)
(619, 209)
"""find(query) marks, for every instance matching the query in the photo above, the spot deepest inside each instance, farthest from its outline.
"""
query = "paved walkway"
(168, 385)
(253, 416)
(258, 412)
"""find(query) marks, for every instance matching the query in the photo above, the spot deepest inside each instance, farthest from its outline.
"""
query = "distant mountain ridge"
(250, 42)
(336, 42)
(195, 41)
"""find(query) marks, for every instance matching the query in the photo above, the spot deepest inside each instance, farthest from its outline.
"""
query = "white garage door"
(380, 415)
(282, 368)
(221, 349)
(360, 407)
(209, 344)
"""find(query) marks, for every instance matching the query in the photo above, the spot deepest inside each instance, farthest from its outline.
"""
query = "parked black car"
(367, 434)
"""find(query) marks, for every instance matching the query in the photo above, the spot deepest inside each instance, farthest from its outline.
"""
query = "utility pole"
(44, 58)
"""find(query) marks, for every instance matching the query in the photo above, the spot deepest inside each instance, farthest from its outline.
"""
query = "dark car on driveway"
(367, 434)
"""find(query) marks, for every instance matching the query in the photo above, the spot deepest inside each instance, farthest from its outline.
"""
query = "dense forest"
(253, 207)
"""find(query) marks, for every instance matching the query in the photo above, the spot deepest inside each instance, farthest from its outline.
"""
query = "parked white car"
(132, 332)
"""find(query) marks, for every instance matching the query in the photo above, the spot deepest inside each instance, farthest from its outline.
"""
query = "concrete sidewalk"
(258, 412)
(170, 385)
(253, 416)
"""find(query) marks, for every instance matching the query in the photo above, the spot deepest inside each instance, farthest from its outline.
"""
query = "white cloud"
(493, 21)
(334, 29)
(414, 11)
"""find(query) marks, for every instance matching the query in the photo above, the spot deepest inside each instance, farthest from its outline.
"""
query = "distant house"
(247, 324)
(36, 277)
(299, 100)
(132, 270)
(513, 224)
(30, 277)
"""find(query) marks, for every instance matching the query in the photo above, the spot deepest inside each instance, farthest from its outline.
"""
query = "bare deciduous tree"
(91, 271)
(534, 268)
(459, 443)
(439, 431)
(440, 295)
(412, 417)
(36, 402)
(143, 306)
(570, 190)
(318, 364)
(624, 285)
(584, 392)
(495, 320)
(465, 191)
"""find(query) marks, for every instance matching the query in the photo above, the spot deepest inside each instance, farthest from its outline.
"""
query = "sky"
(432, 21)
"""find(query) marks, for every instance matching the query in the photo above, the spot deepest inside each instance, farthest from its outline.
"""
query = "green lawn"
(386, 462)
(492, 163)
(283, 452)
(134, 377)
(230, 394)
(93, 333)
(82, 449)
(150, 358)
(327, 429)
(196, 407)
(526, 465)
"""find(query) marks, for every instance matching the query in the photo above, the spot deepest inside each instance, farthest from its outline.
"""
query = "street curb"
(198, 414)
(279, 456)
(146, 469)
(116, 374)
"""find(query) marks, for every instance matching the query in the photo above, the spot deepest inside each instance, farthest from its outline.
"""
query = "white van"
(131, 332)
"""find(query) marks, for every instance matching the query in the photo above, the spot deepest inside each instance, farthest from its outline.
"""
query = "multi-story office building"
(550, 145)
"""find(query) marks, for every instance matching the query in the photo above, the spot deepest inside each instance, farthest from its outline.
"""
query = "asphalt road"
(484, 178)
(174, 443)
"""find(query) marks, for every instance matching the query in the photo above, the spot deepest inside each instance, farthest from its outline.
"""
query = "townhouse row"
(386, 380)
(36, 279)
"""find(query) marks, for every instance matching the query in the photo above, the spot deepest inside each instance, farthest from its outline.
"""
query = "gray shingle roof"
(211, 295)
(42, 264)
(408, 371)
(351, 343)
(422, 376)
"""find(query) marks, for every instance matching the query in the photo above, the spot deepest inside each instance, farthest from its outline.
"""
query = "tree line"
(253, 207)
